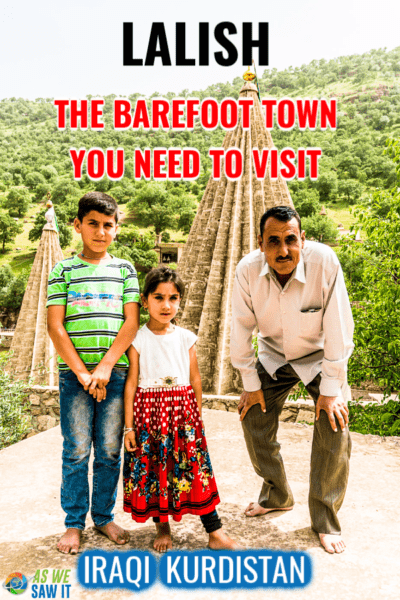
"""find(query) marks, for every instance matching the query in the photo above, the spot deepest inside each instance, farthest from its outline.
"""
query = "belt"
(161, 382)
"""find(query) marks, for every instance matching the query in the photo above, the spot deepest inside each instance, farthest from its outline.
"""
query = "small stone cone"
(33, 353)
(224, 230)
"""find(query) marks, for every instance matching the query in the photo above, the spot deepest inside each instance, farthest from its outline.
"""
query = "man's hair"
(162, 275)
(281, 213)
(99, 201)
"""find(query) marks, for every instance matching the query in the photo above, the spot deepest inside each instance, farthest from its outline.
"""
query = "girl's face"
(163, 303)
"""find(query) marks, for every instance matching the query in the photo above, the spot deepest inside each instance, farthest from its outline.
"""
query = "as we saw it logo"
(16, 583)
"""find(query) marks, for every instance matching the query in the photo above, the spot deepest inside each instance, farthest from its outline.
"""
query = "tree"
(327, 186)
(137, 247)
(12, 288)
(64, 187)
(33, 179)
(321, 228)
(9, 229)
(154, 205)
(376, 298)
(306, 202)
(65, 232)
(350, 188)
(18, 201)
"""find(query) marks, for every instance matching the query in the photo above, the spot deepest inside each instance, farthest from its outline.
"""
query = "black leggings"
(211, 521)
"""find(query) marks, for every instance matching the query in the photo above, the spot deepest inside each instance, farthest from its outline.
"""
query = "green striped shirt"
(94, 296)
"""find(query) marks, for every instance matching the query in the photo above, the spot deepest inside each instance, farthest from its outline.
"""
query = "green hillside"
(34, 154)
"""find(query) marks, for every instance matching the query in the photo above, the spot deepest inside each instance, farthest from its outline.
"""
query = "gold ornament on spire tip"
(248, 75)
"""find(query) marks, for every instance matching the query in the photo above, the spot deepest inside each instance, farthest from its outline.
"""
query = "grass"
(340, 213)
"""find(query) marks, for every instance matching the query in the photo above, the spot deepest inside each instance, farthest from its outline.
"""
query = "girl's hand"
(130, 441)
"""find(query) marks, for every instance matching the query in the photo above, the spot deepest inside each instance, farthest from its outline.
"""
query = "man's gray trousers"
(330, 453)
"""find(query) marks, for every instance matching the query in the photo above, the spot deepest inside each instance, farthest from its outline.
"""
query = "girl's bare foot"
(69, 542)
(163, 541)
(115, 533)
(255, 510)
(332, 543)
(219, 540)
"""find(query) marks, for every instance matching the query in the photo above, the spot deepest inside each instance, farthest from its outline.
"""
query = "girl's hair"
(162, 275)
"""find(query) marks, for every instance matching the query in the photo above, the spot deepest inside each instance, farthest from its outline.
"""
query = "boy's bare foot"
(114, 532)
(332, 543)
(255, 510)
(69, 542)
(163, 541)
(219, 540)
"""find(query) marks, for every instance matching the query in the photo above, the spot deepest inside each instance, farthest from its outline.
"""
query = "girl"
(168, 469)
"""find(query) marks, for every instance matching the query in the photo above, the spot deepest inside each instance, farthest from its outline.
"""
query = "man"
(294, 292)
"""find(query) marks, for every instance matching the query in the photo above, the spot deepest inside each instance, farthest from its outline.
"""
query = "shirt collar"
(299, 273)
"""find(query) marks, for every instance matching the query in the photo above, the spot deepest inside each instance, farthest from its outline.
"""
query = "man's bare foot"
(114, 532)
(255, 510)
(219, 540)
(163, 541)
(69, 542)
(332, 543)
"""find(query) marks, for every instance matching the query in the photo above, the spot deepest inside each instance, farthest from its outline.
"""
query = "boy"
(93, 317)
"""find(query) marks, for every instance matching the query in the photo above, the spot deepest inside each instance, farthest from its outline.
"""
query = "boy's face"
(97, 230)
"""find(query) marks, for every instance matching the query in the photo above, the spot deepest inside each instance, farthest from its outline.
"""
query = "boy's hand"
(130, 441)
(84, 379)
(100, 377)
(99, 393)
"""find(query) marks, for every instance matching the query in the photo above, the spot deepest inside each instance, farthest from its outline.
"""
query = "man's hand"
(248, 399)
(333, 406)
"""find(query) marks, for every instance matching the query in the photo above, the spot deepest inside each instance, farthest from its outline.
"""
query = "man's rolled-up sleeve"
(338, 327)
(243, 324)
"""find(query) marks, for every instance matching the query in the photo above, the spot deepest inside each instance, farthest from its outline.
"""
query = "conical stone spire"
(224, 230)
(33, 353)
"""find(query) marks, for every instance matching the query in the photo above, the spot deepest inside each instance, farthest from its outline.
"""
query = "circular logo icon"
(16, 583)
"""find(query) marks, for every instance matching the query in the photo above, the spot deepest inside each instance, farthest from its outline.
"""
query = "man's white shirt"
(307, 324)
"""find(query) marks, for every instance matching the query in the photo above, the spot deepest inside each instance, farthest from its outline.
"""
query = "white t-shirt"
(164, 357)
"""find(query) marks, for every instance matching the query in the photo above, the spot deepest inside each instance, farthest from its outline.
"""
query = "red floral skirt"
(170, 471)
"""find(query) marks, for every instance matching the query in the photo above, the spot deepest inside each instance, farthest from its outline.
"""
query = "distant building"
(169, 252)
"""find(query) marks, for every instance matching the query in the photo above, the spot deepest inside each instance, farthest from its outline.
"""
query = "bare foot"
(219, 540)
(163, 540)
(69, 542)
(255, 510)
(332, 543)
(114, 532)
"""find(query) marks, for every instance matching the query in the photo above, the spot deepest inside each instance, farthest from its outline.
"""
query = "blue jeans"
(85, 421)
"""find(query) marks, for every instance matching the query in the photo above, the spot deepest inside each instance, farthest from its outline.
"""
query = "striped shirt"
(94, 296)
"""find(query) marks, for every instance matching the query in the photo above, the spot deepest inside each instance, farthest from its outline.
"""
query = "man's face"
(281, 244)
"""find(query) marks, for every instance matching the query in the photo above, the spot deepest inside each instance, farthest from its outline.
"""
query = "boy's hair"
(281, 213)
(99, 201)
(162, 275)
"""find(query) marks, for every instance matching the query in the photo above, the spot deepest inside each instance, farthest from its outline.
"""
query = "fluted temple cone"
(224, 230)
(33, 353)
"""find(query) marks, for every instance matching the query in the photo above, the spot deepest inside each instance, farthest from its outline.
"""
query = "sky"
(71, 49)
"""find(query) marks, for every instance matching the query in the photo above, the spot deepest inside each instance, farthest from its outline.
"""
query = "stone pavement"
(31, 520)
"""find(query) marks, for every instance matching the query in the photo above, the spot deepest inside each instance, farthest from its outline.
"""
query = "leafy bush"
(321, 228)
(376, 419)
(13, 422)
(12, 288)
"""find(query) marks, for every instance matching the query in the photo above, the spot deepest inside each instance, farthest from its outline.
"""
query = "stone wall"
(43, 405)
(293, 412)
